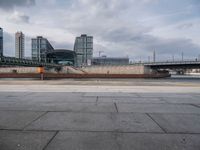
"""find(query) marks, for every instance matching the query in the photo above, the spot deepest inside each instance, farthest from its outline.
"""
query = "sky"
(121, 28)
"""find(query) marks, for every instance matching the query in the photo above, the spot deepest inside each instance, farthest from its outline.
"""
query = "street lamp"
(182, 55)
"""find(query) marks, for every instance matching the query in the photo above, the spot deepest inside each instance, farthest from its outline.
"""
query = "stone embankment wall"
(18, 70)
(131, 69)
(72, 70)
(23, 70)
(66, 69)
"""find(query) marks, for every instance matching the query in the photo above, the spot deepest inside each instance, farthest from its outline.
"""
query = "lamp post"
(182, 54)
(154, 56)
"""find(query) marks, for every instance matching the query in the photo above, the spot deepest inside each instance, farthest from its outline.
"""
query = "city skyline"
(120, 28)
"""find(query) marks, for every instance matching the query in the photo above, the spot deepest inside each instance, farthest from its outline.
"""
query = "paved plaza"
(52, 116)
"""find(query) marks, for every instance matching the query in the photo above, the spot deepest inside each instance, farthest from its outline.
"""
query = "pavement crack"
(34, 120)
(195, 105)
(156, 122)
(116, 107)
(97, 99)
(50, 140)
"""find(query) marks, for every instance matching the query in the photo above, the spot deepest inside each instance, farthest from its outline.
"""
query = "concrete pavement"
(81, 120)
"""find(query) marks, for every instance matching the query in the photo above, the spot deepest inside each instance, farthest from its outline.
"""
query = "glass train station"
(62, 56)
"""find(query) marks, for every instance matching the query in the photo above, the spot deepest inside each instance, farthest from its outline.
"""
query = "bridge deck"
(11, 61)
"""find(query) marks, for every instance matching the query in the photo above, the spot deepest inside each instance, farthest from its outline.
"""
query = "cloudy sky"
(133, 28)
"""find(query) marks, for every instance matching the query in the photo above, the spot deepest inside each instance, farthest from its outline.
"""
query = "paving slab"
(183, 100)
(110, 94)
(8, 97)
(197, 95)
(158, 108)
(14, 94)
(62, 99)
(62, 94)
(59, 106)
(17, 119)
(45, 96)
(11, 99)
(84, 141)
(135, 122)
(130, 100)
(178, 123)
(197, 105)
(21, 140)
(124, 141)
(57, 97)
(143, 141)
(166, 95)
(95, 122)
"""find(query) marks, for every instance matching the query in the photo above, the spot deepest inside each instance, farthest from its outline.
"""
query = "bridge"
(12, 61)
(174, 65)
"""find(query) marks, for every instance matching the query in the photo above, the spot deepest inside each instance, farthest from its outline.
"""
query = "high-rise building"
(84, 50)
(19, 45)
(40, 48)
(1, 42)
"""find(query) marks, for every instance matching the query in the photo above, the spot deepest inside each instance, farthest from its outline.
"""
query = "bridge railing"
(24, 62)
(173, 63)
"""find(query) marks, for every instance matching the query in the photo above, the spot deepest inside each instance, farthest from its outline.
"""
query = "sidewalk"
(99, 121)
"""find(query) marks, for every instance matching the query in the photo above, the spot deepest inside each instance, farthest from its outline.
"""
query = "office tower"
(1, 42)
(40, 48)
(19, 45)
(84, 50)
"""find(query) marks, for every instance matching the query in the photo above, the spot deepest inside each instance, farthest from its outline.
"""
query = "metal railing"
(172, 63)
(25, 62)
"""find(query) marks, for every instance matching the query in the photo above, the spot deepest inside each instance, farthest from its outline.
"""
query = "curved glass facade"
(62, 56)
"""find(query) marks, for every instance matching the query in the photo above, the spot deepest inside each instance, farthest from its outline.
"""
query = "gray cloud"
(138, 42)
(62, 45)
(168, 47)
(121, 36)
(119, 28)
(17, 17)
(10, 4)
(185, 26)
